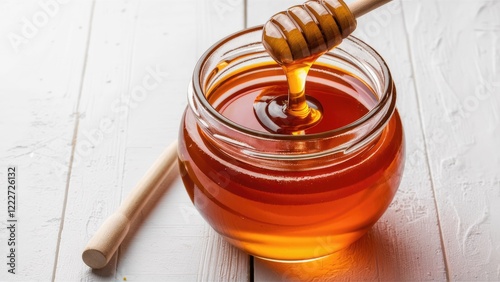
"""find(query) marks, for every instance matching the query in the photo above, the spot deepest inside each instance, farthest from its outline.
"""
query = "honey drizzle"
(295, 39)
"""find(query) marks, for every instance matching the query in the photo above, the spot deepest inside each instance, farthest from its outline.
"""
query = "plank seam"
(251, 268)
(132, 52)
(427, 157)
(73, 144)
(245, 14)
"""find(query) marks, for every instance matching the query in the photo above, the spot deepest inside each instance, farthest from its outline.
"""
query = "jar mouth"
(360, 59)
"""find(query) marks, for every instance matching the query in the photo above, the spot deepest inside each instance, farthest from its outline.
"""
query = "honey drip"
(295, 39)
(290, 114)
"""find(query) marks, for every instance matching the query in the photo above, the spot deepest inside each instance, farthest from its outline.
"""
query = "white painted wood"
(410, 248)
(42, 53)
(259, 11)
(405, 243)
(456, 55)
(106, 240)
(445, 59)
(148, 46)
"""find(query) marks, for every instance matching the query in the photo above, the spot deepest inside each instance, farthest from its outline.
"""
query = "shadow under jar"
(291, 197)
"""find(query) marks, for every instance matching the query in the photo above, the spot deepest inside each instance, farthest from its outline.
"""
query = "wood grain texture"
(395, 249)
(115, 73)
(141, 57)
(455, 53)
(42, 53)
(106, 240)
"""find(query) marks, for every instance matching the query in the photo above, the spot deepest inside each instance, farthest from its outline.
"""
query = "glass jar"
(290, 197)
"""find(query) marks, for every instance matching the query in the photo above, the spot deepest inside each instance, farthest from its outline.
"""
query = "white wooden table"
(92, 91)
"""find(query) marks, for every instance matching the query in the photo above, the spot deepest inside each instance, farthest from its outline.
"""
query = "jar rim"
(386, 94)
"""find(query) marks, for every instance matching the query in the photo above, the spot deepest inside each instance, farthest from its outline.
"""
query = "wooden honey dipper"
(103, 245)
(295, 38)
(313, 28)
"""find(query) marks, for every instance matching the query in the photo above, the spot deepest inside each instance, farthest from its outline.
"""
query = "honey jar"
(291, 197)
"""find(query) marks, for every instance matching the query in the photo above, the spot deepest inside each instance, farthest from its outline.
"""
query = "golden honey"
(284, 196)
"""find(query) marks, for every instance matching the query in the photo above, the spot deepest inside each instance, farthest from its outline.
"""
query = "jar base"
(293, 260)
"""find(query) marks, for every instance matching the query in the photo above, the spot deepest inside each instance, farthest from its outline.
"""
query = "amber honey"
(282, 196)
(338, 99)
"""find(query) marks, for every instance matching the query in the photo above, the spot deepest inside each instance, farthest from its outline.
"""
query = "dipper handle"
(110, 235)
(361, 7)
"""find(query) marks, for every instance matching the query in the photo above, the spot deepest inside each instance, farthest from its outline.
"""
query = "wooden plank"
(405, 243)
(410, 247)
(141, 58)
(42, 53)
(259, 11)
(456, 57)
